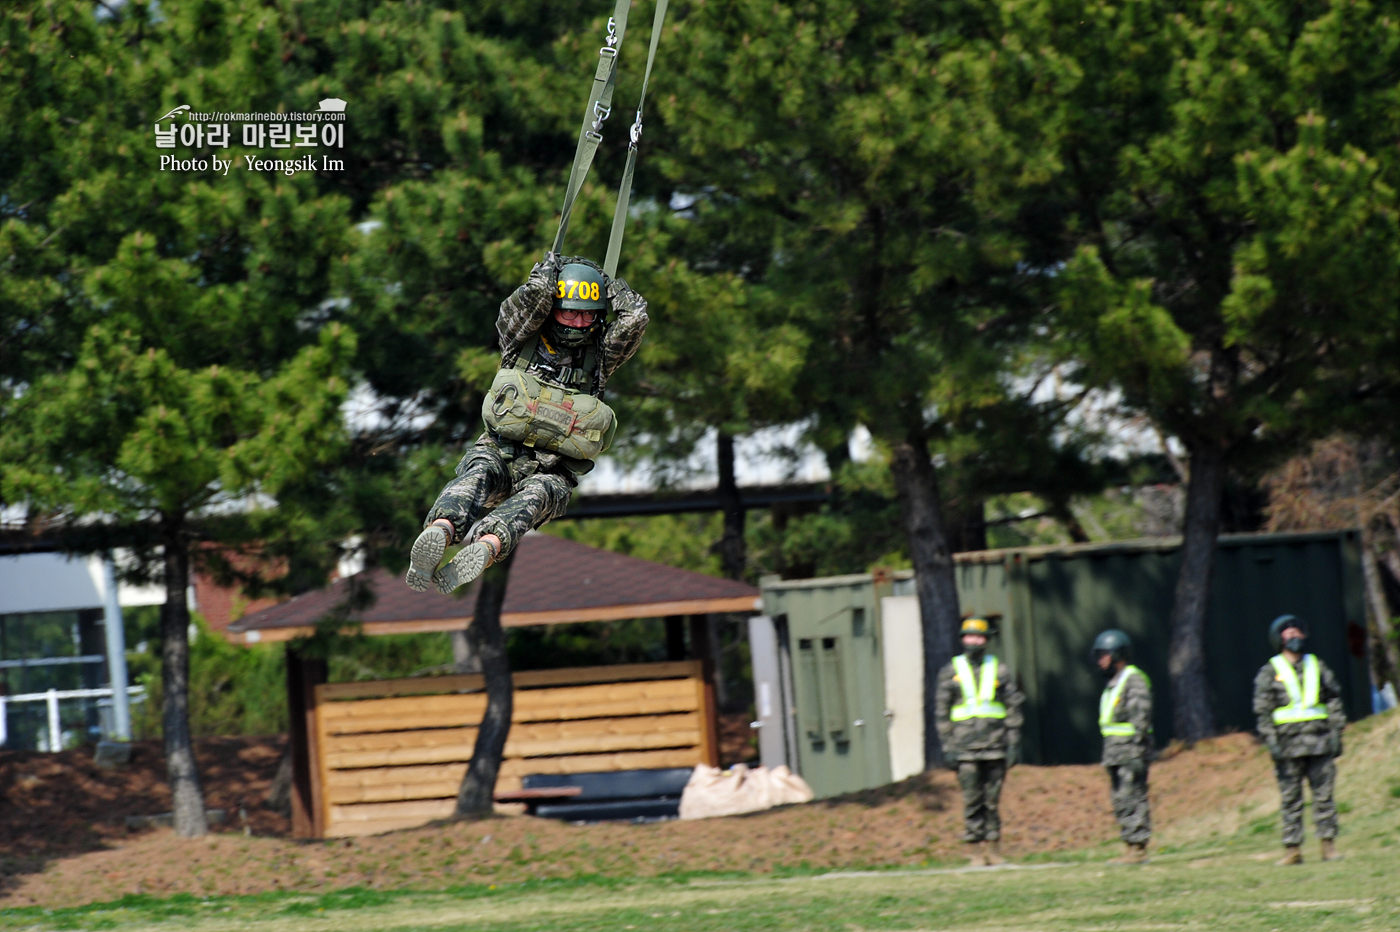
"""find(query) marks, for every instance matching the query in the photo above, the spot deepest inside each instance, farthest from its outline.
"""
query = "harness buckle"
(601, 113)
(612, 34)
(636, 131)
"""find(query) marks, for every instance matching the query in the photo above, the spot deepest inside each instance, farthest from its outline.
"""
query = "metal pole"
(116, 652)
(55, 726)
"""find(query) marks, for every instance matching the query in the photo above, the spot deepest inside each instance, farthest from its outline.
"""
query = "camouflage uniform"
(1126, 759)
(980, 747)
(1302, 750)
(506, 488)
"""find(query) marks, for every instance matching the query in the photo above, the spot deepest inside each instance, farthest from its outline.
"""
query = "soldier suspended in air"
(562, 334)
(1298, 705)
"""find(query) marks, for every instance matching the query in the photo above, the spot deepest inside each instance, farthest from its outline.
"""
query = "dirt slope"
(64, 841)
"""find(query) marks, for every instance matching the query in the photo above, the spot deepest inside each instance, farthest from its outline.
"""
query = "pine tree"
(167, 378)
(1229, 182)
(867, 164)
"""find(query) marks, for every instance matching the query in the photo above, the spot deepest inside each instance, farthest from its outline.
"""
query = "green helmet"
(1114, 643)
(1285, 621)
(582, 287)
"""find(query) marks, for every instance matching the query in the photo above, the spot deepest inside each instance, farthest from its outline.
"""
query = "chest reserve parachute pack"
(563, 412)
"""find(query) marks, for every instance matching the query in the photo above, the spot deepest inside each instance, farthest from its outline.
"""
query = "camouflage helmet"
(1113, 642)
(975, 625)
(1276, 629)
(582, 287)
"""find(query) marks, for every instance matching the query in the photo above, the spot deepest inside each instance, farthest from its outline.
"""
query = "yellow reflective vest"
(1303, 705)
(978, 694)
(1109, 701)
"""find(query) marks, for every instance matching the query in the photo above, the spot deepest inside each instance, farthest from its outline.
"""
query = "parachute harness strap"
(597, 111)
(624, 191)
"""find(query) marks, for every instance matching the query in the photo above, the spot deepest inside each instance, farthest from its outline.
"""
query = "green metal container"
(1052, 602)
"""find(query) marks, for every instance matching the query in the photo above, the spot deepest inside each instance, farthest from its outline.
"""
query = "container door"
(771, 692)
(904, 684)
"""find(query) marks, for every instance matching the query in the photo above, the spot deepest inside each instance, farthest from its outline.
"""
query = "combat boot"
(978, 855)
(1329, 850)
(1293, 854)
(1134, 852)
(993, 854)
(469, 563)
(425, 556)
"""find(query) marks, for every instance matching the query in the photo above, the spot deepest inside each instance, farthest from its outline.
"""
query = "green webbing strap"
(624, 192)
(599, 106)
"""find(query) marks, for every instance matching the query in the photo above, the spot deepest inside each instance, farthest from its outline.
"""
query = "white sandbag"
(714, 792)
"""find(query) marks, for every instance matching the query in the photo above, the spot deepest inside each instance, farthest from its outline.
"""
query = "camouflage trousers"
(1128, 790)
(981, 782)
(1319, 771)
(493, 495)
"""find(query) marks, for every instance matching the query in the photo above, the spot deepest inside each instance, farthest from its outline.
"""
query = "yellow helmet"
(975, 625)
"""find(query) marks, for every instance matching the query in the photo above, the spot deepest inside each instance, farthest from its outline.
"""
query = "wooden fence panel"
(392, 754)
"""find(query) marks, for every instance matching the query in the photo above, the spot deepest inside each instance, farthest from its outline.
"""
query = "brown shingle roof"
(552, 581)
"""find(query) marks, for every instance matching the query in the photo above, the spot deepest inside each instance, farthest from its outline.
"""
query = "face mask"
(1109, 672)
(568, 337)
(1294, 644)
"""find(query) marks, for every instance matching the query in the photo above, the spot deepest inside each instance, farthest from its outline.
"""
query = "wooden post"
(702, 646)
(303, 676)
(675, 637)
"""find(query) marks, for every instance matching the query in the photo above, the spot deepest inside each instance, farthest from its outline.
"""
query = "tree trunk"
(732, 557)
(1379, 610)
(1193, 718)
(181, 768)
(464, 660)
(916, 485)
(487, 642)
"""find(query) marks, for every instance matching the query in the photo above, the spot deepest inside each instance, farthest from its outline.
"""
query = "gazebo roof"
(553, 581)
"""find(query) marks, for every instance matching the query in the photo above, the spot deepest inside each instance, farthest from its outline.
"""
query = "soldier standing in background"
(979, 723)
(1125, 721)
(1298, 705)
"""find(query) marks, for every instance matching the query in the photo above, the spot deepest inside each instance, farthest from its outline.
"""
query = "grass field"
(1215, 880)
(1223, 889)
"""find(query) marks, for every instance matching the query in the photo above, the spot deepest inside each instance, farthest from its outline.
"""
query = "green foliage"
(234, 690)
(545, 647)
(1237, 227)
(389, 657)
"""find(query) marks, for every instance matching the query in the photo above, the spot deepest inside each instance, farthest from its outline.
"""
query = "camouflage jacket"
(1298, 739)
(526, 310)
(977, 738)
(1134, 706)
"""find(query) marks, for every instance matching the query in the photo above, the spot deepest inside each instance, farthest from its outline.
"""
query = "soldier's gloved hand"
(1274, 751)
(544, 276)
(1335, 740)
(1013, 754)
(623, 298)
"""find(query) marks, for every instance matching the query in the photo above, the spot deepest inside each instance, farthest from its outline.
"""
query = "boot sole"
(467, 565)
(424, 558)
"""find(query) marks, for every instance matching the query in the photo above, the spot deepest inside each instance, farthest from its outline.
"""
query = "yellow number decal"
(593, 291)
(561, 288)
(572, 286)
